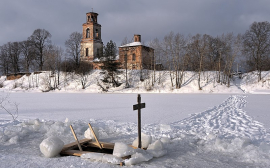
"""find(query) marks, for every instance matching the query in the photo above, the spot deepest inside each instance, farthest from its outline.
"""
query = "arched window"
(133, 57)
(86, 52)
(96, 33)
(87, 33)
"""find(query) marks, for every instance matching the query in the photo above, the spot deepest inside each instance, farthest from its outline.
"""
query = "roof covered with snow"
(132, 44)
(104, 58)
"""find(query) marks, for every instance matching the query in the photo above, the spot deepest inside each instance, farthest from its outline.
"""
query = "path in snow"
(227, 119)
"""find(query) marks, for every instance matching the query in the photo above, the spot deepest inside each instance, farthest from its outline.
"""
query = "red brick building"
(135, 55)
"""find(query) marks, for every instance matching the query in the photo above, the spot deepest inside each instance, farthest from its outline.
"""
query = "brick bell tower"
(91, 44)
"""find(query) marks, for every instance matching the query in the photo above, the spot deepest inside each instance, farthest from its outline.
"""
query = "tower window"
(88, 19)
(98, 52)
(87, 33)
(96, 33)
(133, 57)
(86, 52)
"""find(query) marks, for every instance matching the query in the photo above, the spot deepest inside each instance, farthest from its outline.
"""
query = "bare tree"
(73, 47)
(4, 59)
(198, 49)
(256, 45)
(83, 71)
(41, 39)
(9, 107)
(28, 52)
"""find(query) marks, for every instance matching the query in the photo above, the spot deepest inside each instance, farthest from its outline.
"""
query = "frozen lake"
(160, 108)
(227, 131)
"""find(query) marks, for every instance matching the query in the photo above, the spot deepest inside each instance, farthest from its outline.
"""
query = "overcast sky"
(124, 18)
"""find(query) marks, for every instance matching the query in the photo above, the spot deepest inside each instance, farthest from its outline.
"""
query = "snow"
(132, 44)
(194, 128)
(51, 146)
(70, 82)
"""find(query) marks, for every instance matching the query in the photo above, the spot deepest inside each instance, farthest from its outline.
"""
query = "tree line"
(176, 53)
(199, 53)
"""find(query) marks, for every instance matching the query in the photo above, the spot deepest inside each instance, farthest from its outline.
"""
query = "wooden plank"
(75, 144)
(73, 152)
(93, 132)
(103, 144)
(75, 137)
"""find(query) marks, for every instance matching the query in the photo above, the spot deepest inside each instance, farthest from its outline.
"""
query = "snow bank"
(51, 146)
(69, 83)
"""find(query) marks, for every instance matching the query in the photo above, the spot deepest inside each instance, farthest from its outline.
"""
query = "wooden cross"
(138, 107)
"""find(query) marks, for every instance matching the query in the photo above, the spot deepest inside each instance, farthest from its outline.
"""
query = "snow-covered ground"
(231, 129)
(69, 82)
(205, 130)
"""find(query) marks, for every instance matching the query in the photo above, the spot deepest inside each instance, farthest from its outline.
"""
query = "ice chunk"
(146, 140)
(93, 156)
(165, 140)
(111, 159)
(121, 150)
(14, 140)
(138, 157)
(157, 149)
(89, 135)
(51, 146)
(158, 145)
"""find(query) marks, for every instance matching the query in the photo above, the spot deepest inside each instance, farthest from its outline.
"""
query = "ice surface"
(206, 130)
(93, 156)
(89, 135)
(121, 149)
(108, 158)
(51, 146)
(146, 140)
(111, 159)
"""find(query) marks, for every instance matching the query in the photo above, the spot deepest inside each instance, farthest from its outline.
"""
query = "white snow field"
(213, 127)
(203, 130)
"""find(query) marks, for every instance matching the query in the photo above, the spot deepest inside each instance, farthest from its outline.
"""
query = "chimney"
(137, 38)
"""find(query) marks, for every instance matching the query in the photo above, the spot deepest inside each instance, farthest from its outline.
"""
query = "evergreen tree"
(110, 65)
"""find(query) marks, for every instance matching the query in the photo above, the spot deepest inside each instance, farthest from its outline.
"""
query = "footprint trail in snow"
(227, 120)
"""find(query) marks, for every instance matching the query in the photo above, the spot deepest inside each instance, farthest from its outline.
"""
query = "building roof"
(132, 44)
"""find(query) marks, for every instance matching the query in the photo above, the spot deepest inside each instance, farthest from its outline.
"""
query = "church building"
(135, 55)
(131, 56)
(91, 44)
